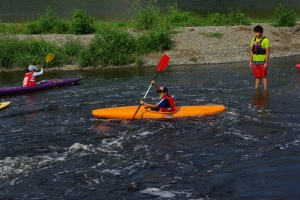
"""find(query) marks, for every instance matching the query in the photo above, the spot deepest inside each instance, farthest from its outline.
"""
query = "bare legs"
(257, 82)
(265, 81)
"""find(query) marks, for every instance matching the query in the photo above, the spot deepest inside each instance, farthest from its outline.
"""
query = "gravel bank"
(193, 45)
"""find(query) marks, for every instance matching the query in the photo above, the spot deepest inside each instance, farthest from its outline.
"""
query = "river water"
(51, 147)
(18, 10)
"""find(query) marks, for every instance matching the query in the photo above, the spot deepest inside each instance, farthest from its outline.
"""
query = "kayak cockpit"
(177, 109)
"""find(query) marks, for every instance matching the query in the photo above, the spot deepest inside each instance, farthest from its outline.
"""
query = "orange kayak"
(127, 112)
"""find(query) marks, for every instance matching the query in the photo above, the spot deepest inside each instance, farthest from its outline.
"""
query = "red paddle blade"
(163, 63)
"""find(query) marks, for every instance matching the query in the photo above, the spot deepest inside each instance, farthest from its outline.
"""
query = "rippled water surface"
(51, 147)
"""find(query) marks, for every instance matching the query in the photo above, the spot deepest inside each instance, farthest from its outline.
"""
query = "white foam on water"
(145, 133)
(17, 130)
(163, 193)
(10, 167)
(158, 192)
(91, 180)
(78, 146)
(285, 146)
(111, 171)
(239, 134)
(116, 142)
(107, 147)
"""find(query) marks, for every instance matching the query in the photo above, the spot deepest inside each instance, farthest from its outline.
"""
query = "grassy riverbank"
(114, 43)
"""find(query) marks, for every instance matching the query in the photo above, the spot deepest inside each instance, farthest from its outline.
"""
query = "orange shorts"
(259, 71)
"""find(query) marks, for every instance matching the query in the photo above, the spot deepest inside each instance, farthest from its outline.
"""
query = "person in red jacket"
(167, 102)
(30, 76)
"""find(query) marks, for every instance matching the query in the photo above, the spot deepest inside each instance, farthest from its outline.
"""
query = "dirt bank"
(192, 45)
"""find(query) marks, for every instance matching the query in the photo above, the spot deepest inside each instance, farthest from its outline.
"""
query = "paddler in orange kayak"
(167, 102)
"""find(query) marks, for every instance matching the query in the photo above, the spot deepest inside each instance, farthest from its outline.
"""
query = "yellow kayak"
(127, 112)
(4, 104)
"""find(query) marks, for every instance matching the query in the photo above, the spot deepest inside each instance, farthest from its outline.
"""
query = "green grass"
(16, 53)
(116, 42)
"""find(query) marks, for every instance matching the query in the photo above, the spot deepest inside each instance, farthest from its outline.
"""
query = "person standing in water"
(259, 57)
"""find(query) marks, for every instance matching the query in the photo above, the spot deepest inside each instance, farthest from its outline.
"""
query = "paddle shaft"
(143, 99)
(150, 87)
(163, 63)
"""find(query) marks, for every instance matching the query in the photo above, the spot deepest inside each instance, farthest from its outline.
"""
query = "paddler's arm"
(156, 86)
(149, 105)
(38, 73)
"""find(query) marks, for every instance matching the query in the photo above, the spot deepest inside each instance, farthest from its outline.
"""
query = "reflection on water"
(298, 74)
(29, 104)
(260, 101)
(260, 98)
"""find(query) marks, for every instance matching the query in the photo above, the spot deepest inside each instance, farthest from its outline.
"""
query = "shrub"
(138, 62)
(176, 17)
(69, 51)
(47, 23)
(112, 47)
(230, 19)
(284, 17)
(215, 19)
(33, 28)
(62, 26)
(156, 40)
(117, 47)
(147, 18)
(81, 23)
(237, 18)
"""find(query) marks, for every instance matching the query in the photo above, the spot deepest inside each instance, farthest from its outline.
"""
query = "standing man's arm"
(251, 58)
(267, 57)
